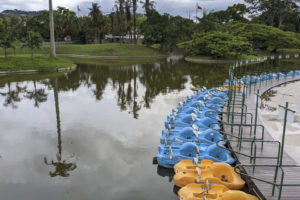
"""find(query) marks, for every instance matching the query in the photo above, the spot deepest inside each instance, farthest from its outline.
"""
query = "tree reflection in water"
(38, 95)
(135, 86)
(12, 95)
(62, 167)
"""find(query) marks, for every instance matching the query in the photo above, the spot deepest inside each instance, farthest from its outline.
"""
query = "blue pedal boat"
(189, 120)
(200, 105)
(168, 156)
(192, 111)
(198, 113)
(175, 131)
(188, 134)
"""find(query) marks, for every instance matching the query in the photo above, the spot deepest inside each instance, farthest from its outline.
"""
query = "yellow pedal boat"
(195, 191)
(189, 165)
(236, 87)
(220, 173)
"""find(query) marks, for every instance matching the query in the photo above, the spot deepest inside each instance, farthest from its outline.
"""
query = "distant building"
(126, 38)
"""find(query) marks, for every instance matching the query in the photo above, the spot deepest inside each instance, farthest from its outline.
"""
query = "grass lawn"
(111, 49)
(41, 62)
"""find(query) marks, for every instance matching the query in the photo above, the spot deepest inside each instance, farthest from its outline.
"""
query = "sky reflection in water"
(92, 133)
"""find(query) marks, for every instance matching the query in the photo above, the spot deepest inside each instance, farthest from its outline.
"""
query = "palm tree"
(96, 16)
(12, 96)
(120, 14)
(134, 6)
(148, 5)
(128, 17)
(52, 38)
(38, 95)
(62, 167)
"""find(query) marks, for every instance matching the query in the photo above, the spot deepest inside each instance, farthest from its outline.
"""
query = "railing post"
(255, 122)
(232, 116)
(283, 133)
(242, 113)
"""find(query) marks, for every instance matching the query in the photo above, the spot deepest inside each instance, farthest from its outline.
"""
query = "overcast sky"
(174, 7)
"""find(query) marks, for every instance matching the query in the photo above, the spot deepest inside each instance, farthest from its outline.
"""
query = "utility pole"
(52, 38)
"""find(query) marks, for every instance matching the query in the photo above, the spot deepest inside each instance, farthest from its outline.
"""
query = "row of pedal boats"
(189, 145)
(248, 80)
(193, 130)
(209, 181)
(193, 144)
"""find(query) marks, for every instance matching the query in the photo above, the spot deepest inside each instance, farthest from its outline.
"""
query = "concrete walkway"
(292, 175)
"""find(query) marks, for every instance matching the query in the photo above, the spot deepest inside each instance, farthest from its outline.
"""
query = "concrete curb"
(38, 71)
(194, 60)
(108, 57)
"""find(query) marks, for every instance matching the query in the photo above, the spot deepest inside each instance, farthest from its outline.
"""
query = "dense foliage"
(265, 37)
(6, 36)
(273, 25)
(278, 13)
(215, 20)
(166, 30)
(266, 25)
(217, 44)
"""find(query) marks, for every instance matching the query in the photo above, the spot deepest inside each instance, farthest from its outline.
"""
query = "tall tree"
(166, 30)
(275, 11)
(6, 36)
(134, 8)
(120, 6)
(62, 167)
(52, 38)
(128, 4)
(148, 5)
(38, 95)
(96, 15)
(65, 23)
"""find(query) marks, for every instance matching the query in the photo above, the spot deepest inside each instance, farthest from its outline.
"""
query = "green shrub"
(217, 44)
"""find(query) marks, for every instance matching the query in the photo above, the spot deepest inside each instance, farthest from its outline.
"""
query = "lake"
(92, 133)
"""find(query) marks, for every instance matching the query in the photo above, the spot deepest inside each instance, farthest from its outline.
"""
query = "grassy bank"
(24, 62)
(111, 49)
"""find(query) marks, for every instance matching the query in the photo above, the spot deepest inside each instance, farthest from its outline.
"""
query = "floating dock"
(243, 141)
(261, 167)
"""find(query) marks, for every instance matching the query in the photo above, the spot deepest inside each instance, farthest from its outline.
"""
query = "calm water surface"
(92, 133)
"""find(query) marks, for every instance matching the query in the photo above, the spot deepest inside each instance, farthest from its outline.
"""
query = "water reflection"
(12, 96)
(136, 86)
(38, 95)
(165, 172)
(95, 129)
(62, 167)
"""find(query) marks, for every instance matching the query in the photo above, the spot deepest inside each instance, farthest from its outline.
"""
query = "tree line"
(163, 30)
(265, 25)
